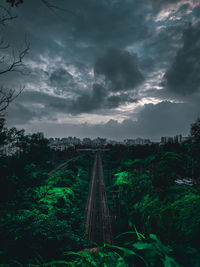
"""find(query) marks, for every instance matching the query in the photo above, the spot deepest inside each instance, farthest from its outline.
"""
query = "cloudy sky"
(111, 68)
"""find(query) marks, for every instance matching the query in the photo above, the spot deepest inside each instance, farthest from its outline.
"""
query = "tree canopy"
(195, 130)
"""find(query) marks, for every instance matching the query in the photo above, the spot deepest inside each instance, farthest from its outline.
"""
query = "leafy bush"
(140, 251)
(48, 217)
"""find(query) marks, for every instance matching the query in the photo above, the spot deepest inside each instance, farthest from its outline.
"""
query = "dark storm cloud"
(99, 99)
(183, 76)
(154, 121)
(162, 4)
(159, 50)
(65, 46)
(163, 119)
(21, 115)
(117, 100)
(88, 102)
(93, 25)
(110, 22)
(120, 69)
(61, 80)
(44, 105)
(162, 48)
(196, 11)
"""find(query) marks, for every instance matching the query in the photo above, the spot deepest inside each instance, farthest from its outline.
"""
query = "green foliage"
(46, 216)
(128, 162)
(122, 178)
(137, 252)
(137, 182)
(195, 130)
(56, 195)
(185, 218)
(149, 198)
(42, 215)
(175, 219)
(168, 169)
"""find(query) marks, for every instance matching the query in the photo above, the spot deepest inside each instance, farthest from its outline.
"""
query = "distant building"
(129, 142)
(166, 139)
(99, 142)
(87, 142)
(176, 139)
(147, 142)
(171, 140)
(114, 142)
(185, 138)
(67, 142)
(63, 143)
(137, 141)
(76, 141)
(163, 139)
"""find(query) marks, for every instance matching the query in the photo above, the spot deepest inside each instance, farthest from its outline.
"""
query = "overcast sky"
(110, 68)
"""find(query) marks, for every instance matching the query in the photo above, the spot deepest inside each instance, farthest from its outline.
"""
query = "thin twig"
(53, 7)
(16, 62)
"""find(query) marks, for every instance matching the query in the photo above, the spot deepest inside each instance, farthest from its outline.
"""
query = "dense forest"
(155, 219)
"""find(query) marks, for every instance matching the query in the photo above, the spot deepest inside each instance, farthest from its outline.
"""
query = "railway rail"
(63, 166)
(98, 221)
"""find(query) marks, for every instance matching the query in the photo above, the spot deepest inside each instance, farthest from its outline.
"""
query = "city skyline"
(88, 143)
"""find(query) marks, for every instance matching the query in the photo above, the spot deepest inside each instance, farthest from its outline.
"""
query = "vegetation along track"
(98, 221)
(63, 165)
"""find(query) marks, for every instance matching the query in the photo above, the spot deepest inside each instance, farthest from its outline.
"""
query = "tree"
(47, 3)
(7, 96)
(8, 65)
(195, 130)
(17, 2)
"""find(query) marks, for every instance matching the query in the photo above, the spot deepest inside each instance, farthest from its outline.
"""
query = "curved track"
(98, 221)
(63, 165)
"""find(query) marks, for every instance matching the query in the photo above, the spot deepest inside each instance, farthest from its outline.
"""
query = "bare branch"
(3, 45)
(5, 16)
(53, 7)
(45, 2)
(6, 97)
(14, 2)
(16, 62)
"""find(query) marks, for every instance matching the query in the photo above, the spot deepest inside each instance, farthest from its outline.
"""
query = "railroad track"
(98, 221)
(63, 166)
